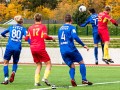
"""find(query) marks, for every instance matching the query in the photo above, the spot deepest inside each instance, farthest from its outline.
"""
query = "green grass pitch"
(24, 79)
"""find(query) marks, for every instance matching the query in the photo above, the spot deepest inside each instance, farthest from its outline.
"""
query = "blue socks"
(72, 73)
(14, 67)
(96, 53)
(6, 71)
(83, 71)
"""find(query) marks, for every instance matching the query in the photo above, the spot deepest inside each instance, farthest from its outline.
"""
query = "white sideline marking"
(102, 83)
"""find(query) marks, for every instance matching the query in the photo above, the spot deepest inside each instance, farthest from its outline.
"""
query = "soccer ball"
(53, 87)
(82, 8)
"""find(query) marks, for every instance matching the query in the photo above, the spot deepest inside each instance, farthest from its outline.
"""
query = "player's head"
(37, 17)
(92, 10)
(107, 8)
(68, 18)
(18, 19)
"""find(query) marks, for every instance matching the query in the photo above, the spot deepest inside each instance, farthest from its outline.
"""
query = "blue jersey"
(66, 35)
(93, 20)
(16, 33)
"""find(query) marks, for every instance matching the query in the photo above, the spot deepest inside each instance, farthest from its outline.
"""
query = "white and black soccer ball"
(53, 86)
(82, 8)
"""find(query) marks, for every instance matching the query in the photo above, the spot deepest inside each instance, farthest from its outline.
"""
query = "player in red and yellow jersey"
(103, 19)
(36, 35)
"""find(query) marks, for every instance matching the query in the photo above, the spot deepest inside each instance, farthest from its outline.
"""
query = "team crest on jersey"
(74, 31)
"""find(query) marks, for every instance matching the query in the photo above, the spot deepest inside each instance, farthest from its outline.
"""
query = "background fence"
(54, 25)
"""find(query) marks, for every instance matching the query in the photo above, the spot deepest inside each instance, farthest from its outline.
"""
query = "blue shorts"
(96, 38)
(14, 53)
(71, 57)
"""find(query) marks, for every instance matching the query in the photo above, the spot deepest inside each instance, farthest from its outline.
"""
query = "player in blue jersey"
(13, 47)
(66, 35)
(93, 20)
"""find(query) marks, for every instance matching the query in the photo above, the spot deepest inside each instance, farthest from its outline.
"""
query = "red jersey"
(37, 33)
(103, 19)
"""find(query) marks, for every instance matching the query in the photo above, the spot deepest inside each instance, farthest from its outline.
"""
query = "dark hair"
(37, 17)
(92, 10)
(107, 8)
(68, 18)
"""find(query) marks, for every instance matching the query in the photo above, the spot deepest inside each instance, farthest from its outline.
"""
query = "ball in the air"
(82, 8)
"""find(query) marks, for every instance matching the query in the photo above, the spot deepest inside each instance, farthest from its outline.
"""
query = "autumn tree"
(115, 6)
(2, 12)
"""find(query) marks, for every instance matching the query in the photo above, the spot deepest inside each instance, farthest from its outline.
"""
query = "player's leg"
(46, 59)
(104, 35)
(72, 74)
(7, 57)
(102, 45)
(37, 60)
(106, 52)
(47, 73)
(37, 73)
(96, 53)
(106, 55)
(78, 58)
(83, 73)
(68, 59)
(16, 55)
(96, 39)
(6, 72)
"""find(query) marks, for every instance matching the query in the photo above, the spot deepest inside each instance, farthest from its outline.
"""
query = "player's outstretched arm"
(112, 20)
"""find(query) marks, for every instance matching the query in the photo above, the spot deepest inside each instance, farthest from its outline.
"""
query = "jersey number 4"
(63, 36)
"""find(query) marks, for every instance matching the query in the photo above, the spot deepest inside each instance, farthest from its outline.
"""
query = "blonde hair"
(107, 8)
(18, 19)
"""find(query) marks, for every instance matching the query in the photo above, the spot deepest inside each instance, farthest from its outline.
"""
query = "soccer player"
(66, 36)
(13, 47)
(36, 35)
(93, 20)
(103, 19)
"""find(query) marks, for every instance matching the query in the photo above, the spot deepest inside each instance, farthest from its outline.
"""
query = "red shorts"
(104, 35)
(40, 56)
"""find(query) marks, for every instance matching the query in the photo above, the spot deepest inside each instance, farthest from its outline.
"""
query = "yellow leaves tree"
(2, 13)
(115, 5)
(46, 12)
(27, 14)
(68, 6)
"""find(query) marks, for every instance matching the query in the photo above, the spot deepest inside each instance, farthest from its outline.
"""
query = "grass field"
(103, 77)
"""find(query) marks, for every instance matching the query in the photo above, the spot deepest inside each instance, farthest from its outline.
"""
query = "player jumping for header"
(93, 20)
(103, 19)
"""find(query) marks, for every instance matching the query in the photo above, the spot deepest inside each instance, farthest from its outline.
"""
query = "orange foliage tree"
(115, 5)
(2, 11)
(46, 12)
